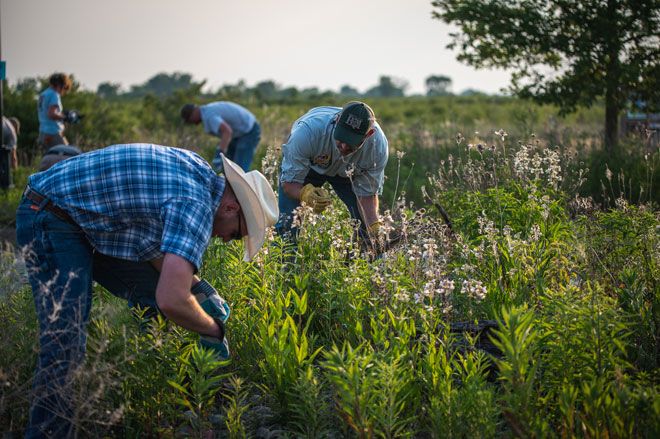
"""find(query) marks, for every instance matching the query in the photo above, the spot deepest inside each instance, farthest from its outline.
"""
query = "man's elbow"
(166, 303)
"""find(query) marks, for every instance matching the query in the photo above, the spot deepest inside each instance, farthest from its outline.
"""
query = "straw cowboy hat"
(258, 203)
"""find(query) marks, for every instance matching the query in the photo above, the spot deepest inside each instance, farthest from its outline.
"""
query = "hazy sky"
(300, 43)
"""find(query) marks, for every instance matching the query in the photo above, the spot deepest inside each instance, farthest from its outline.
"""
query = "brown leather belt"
(37, 199)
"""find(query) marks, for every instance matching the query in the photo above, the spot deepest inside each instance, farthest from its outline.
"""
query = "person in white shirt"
(235, 125)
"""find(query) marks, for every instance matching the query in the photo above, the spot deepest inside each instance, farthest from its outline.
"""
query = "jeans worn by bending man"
(138, 219)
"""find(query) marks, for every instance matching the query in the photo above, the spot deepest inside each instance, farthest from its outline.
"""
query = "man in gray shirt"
(342, 146)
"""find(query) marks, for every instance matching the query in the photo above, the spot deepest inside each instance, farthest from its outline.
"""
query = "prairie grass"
(334, 341)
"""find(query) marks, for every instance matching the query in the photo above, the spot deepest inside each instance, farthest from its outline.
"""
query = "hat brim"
(253, 212)
(348, 137)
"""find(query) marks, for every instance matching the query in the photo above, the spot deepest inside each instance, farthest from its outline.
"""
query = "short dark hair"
(186, 111)
(61, 79)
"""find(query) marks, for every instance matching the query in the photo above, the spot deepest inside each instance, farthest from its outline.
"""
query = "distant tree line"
(141, 112)
(165, 84)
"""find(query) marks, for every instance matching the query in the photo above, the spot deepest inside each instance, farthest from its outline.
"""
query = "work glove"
(72, 116)
(210, 301)
(315, 197)
(374, 229)
(217, 345)
(376, 241)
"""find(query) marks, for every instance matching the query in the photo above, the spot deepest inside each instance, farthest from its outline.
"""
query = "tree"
(388, 88)
(290, 93)
(310, 92)
(347, 90)
(472, 92)
(266, 89)
(437, 85)
(164, 84)
(565, 52)
(107, 89)
(232, 91)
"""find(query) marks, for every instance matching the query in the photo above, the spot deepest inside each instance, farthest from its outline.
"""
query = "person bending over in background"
(137, 219)
(56, 154)
(11, 128)
(342, 146)
(51, 115)
(235, 125)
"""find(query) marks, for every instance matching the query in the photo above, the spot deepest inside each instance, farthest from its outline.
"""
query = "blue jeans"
(240, 150)
(341, 185)
(61, 265)
(59, 262)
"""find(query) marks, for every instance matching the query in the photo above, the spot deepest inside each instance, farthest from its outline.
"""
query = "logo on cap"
(353, 122)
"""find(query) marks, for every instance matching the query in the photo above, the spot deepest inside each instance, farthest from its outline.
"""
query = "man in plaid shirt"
(137, 219)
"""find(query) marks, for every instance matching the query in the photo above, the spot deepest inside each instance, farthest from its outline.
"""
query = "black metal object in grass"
(444, 215)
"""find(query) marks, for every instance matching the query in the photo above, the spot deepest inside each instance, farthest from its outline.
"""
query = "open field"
(536, 314)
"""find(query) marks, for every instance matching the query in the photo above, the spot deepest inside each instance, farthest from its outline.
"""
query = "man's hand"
(71, 116)
(218, 345)
(210, 301)
(374, 229)
(315, 197)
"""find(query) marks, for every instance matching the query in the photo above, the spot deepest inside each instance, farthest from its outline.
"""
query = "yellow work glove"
(315, 197)
(374, 229)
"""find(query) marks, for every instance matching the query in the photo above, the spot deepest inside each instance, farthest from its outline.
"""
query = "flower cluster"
(270, 164)
(534, 166)
(474, 289)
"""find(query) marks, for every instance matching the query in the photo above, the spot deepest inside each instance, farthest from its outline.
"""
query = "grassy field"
(536, 314)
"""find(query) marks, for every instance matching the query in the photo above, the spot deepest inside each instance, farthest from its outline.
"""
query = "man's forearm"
(292, 190)
(224, 144)
(190, 315)
(368, 209)
(174, 298)
(226, 134)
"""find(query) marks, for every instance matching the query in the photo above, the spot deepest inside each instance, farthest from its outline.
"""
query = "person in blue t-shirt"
(235, 125)
(50, 111)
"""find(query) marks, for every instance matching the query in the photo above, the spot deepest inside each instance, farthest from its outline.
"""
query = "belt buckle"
(27, 189)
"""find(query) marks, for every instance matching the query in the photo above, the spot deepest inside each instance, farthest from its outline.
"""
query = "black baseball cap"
(354, 123)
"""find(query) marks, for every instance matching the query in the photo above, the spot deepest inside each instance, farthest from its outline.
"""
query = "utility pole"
(5, 173)
(2, 68)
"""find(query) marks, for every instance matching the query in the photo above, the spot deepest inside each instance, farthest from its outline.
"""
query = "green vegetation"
(565, 52)
(338, 343)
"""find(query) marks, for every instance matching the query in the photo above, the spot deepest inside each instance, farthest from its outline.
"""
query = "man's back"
(134, 201)
(236, 116)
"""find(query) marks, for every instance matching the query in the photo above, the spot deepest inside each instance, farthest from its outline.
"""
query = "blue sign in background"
(2, 69)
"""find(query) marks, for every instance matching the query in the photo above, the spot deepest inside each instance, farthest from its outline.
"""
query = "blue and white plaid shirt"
(138, 201)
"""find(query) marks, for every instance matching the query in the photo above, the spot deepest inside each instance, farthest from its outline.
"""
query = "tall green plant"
(196, 385)
(518, 339)
(284, 342)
